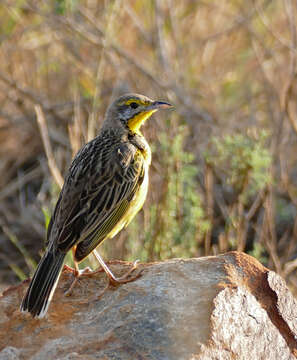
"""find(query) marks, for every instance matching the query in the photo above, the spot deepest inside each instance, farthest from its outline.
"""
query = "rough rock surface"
(223, 307)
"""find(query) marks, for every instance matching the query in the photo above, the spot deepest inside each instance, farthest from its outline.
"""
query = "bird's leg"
(76, 272)
(113, 279)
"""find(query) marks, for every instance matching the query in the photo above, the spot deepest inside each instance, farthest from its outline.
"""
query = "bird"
(104, 188)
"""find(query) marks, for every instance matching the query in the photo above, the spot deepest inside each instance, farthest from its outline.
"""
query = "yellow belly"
(135, 205)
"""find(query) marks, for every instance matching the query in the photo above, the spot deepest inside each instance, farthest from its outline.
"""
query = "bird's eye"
(134, 105)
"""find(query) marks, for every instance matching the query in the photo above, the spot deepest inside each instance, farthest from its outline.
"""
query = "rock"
(221, 307)
(10, 353)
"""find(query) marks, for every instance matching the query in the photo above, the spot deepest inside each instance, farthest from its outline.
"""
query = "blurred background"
(224, 170)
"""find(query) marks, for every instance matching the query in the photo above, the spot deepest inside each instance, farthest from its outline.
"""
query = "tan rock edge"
(221, 307)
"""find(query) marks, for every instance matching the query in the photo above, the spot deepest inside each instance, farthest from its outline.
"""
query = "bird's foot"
(77, 274)
(113, 280)
(69, 269)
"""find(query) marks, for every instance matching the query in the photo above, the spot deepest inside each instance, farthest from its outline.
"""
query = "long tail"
(43, 284)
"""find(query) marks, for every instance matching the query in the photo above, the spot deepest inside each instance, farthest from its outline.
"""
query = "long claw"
(69, 291)
(77, 274)
(124, 278)
(121, 280)
(113, 279)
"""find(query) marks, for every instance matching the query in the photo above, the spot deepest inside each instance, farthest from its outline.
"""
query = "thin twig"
(256, 204)
(209, 185)
(108, 35)
(262, 17)
(288, 89)
(47, 146)
(14, 185)
(180, 92)
(29, 94)
(270, 238)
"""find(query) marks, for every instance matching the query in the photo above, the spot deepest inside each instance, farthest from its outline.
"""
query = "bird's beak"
(160, 105)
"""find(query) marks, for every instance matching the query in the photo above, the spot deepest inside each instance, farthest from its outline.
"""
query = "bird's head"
(132, 110)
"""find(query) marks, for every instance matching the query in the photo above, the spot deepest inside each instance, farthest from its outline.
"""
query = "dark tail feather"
(43, 284)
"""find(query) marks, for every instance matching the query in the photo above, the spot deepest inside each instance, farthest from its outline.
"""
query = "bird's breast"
(139, 197)
(136, 202)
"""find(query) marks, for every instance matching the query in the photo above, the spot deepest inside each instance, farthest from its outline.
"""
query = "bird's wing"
(95, 197)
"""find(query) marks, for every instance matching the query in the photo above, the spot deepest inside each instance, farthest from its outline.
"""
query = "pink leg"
(113, 279)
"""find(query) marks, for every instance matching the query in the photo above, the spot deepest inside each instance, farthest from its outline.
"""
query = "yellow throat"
(135, 123)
